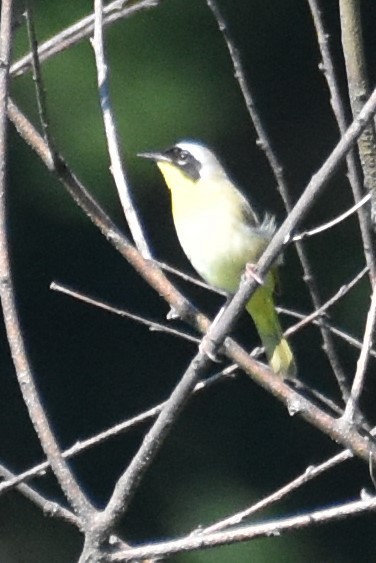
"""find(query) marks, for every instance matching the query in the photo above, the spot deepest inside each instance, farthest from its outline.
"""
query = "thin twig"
(84, 445)
(158, 327)
(22, 366)
(265, 143)
(48, 507)
(127, 484)
(40, 92)
(333, 222)
(117, 166)
(190, 279)
(340, 115)
(115, 11)
(246, 533)
(312, 472)
(352, 405)
(336, 331)
(308, 319)
(263, 139)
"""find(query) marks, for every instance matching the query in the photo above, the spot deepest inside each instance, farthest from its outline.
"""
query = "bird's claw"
(251, 272)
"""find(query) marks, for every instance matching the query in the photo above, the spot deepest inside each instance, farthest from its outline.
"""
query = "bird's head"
(190, 159)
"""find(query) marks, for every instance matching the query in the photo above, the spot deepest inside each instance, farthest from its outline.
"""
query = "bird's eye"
(185, 161)
(182, 157)
(179, 156)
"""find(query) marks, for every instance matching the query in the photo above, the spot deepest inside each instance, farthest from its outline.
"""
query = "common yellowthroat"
(220, 233)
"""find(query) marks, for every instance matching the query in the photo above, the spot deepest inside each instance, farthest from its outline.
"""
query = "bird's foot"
(252, 273)
(208, 346)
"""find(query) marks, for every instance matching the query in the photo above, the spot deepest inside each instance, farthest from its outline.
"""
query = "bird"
(221, 234)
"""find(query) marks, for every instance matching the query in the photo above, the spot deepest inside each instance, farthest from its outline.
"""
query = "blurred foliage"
(171, 78)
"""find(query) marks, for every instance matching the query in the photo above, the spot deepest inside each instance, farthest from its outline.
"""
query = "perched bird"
(220, 233)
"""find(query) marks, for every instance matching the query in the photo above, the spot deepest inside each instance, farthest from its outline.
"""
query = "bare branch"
(340, 115)
(358, 383)
(40, 469)
(246, 533)
(352, 43)
(157, 327)
(119, 9)
(48, 507)
(127, 484)
(37, 76)
(146, 268)
(333, 222)
(307, 319)
(312, 472)
(117, 167)
(336, 331)
(14, 334)
(190, 279)
(264, 141)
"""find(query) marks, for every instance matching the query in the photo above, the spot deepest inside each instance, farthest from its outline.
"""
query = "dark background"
(171, 78)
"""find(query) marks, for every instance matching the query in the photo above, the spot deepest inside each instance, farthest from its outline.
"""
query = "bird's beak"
(156, 156)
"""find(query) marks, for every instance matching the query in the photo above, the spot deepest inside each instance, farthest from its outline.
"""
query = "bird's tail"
(262, 310)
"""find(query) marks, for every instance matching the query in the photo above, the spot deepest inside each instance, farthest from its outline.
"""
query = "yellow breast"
(212, 228)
